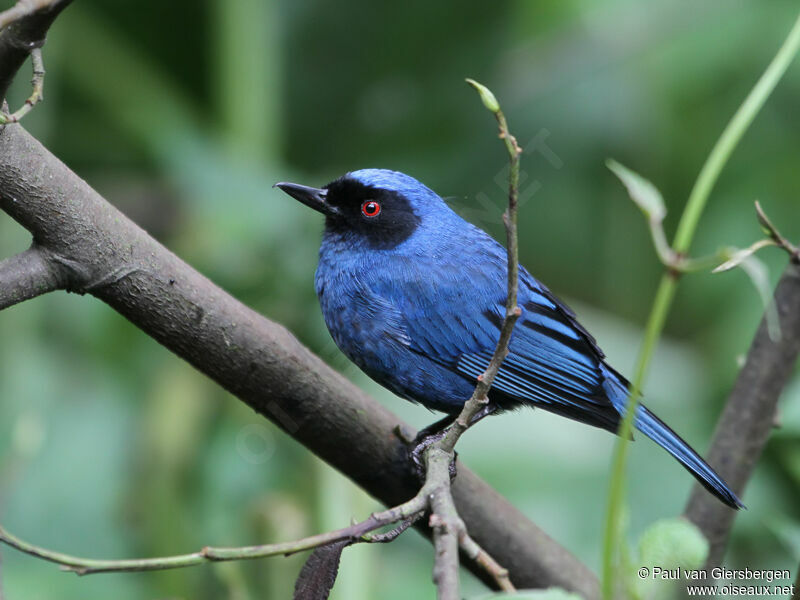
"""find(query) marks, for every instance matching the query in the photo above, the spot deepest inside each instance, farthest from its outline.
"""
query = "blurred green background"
(184, 114)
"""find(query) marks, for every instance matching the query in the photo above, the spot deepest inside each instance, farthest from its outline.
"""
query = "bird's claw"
(421, 443)
(452, 468)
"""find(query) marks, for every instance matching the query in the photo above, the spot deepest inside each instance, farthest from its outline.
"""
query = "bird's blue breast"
(368, 297)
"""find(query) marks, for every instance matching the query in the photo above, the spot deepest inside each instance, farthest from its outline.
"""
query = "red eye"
(370, 208)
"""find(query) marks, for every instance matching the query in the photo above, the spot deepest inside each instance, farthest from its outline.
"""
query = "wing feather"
(553, 361)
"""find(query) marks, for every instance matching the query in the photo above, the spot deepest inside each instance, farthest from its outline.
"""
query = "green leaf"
(487, 97)
(758, 273)
(667, 545)
(787, 531)
(671, 543)
(737, 256)
(642, 192)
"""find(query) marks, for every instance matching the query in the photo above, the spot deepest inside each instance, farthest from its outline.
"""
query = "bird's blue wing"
(553, 362)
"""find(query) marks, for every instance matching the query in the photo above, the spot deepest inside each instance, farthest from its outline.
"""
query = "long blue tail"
(661, 434)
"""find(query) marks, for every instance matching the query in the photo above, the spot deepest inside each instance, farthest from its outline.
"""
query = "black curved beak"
(312, 197)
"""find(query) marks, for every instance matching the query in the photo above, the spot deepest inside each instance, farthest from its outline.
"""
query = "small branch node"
(777, 421)
(775, 235)
(29, 274)
(36, 95)
(24, 8)
(404, 434)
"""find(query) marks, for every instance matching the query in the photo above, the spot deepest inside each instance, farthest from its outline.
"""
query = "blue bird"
(415, 296)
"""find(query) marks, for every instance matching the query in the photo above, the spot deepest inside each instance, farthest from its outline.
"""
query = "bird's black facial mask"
(383, 218)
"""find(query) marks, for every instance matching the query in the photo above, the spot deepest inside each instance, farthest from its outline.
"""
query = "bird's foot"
(421, 443)
(432, 434)
(452, 467)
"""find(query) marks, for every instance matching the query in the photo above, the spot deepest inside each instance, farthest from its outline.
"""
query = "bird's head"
(380, 207)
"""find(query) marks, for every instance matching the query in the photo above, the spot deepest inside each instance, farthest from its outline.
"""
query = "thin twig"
(36, 95)
(445, 524)
(23, 28)
(391, 535)
(448, 527)
(88, 566)
(408, 512)
(479, 397)
(775, 235)
(735, 257)
(500, 575)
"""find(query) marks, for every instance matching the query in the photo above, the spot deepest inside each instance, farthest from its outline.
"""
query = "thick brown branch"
(749, 414)
(256, 360)
(27, 275)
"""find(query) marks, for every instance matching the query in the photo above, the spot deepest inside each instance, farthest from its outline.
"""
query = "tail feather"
(661, 434)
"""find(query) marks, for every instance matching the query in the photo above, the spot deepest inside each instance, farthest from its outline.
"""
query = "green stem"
(612, 540)
(666, 290)
(731, 136)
